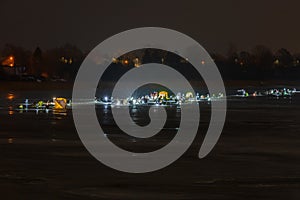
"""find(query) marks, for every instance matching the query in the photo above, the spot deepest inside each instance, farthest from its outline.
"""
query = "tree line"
(258, 64)
(60, 62)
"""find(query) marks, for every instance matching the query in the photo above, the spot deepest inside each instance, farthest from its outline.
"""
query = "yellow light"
(276, 62)
(126, 62)
(11, 58)
(114, 60)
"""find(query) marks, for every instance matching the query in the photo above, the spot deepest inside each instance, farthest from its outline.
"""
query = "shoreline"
(9, 86)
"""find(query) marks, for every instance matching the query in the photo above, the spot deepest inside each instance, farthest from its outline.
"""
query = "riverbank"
(10, 86)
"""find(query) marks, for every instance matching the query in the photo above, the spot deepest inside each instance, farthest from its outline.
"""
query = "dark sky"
(215, 24)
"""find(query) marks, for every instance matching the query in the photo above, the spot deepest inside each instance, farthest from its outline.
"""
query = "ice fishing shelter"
(189, 95)
(60, 103)
(163, 94)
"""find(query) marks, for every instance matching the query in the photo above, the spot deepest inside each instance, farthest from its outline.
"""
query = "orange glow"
(10, 61)
(10, 140)
(10, 96)
(126, 62)
(45, 74)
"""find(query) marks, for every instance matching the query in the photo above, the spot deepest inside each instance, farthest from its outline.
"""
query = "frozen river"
(256, 157)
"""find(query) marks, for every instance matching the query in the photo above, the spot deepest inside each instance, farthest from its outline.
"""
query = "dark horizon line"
(87, 51)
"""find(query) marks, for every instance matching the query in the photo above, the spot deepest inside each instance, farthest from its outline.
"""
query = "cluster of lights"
(126, 62)
(137, 62)
(10, 61)
(66, 61)
(11, 58)
(159, 98)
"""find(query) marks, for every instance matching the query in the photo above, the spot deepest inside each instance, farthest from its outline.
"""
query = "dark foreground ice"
(256, 157)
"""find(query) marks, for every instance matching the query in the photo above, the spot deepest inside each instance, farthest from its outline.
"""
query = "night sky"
(215, 24)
